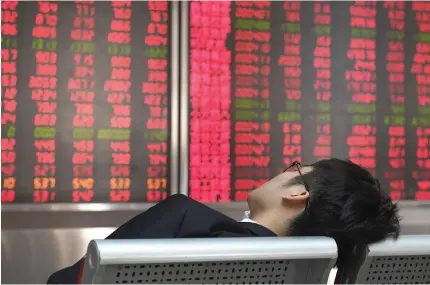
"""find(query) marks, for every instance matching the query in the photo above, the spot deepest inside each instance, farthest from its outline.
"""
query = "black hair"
(347, 204)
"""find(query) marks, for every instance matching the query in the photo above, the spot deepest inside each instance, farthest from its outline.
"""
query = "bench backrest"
(293, 260)
(402, 261)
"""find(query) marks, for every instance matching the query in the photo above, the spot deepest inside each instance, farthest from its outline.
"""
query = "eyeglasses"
(297, 165)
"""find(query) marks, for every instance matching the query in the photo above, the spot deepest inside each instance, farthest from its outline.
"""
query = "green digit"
(11, 132)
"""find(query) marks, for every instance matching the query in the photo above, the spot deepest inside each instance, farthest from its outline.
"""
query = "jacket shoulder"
(181, 199)
(178, 198)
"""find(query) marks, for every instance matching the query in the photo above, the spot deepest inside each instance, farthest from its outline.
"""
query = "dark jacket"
(176, 217)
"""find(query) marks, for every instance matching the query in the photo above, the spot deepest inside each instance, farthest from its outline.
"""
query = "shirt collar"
(246, 218)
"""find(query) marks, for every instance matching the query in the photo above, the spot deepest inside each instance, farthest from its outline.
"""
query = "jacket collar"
(258, 230)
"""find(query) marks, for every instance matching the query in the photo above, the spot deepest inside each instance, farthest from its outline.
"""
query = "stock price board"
(274, 82)
(85, 102)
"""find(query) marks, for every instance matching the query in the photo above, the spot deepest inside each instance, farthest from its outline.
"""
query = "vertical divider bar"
(184, 98)
(174, 101)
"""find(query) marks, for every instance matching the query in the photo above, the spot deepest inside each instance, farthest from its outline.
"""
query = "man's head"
(332, 197)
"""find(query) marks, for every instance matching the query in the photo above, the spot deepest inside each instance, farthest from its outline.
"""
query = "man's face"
(277, 191)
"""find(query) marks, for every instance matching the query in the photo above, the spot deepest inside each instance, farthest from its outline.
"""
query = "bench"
(289, 260)
(402, 261)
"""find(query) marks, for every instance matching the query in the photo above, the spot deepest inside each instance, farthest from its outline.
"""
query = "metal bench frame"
(294, 260)
(402, 261)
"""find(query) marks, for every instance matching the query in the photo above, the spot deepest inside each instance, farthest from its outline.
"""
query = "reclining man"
(333, 198)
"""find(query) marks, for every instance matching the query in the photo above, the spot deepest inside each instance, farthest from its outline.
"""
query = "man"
(333, 198)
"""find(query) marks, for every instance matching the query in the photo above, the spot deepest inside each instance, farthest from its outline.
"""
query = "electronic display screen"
(275, 82)
(85, 101)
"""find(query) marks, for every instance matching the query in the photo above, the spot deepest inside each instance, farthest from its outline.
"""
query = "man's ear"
(296, 195)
